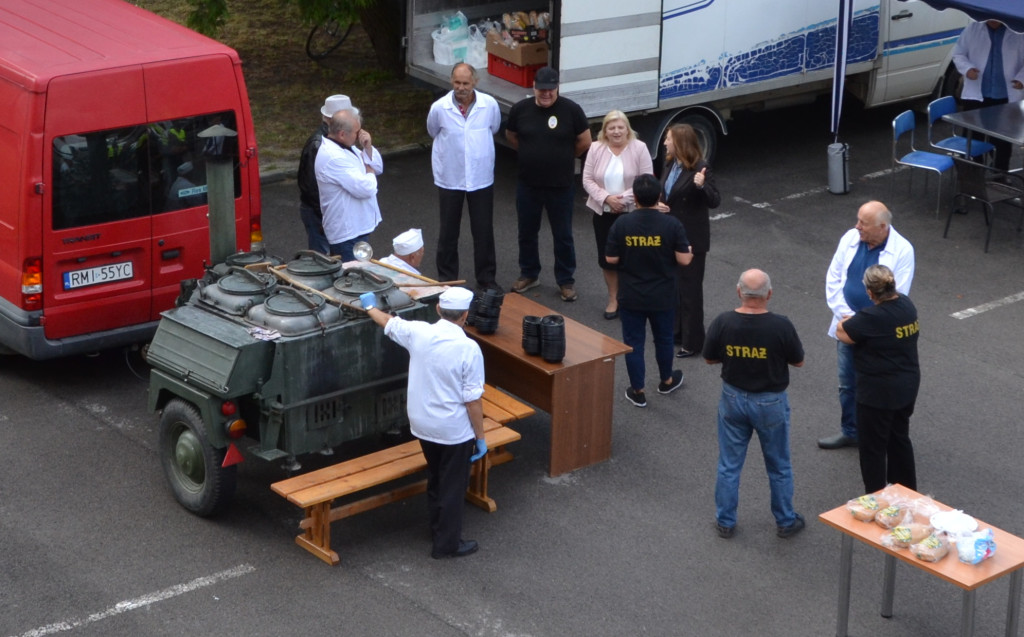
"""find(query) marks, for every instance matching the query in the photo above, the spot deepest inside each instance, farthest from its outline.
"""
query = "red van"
(103, 196)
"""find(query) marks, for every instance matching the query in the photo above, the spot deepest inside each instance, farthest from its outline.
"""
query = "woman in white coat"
(613, 162)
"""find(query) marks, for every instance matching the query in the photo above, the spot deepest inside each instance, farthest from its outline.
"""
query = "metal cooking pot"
(313, 269)
(238, 291)
(292, 312)
(356, 281)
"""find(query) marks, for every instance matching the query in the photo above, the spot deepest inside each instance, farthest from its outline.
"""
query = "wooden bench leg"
(317, 535)
(477, 492)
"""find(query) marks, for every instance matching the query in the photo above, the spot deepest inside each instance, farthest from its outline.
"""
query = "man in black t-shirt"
(755, 348)
(647, 244)
(550, 132)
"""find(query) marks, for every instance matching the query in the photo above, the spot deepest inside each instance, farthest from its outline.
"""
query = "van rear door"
(96, 262)
(181, 239)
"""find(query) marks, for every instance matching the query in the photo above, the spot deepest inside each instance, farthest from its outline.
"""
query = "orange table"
(1008, 558)
(578, 392)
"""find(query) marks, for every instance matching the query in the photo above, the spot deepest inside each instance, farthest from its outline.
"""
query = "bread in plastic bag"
(931, 549)
(865, 507)
(900, 537)
(898, 512)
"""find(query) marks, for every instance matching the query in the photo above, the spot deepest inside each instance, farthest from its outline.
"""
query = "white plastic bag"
(476, 54)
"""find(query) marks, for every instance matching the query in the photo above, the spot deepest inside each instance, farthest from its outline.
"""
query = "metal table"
(1002, 121)
(1008, 560)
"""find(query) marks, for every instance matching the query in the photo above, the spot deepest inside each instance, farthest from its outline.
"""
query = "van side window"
(136, 171)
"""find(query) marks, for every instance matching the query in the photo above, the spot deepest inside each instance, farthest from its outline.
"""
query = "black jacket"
(690, 204)
(309, 192)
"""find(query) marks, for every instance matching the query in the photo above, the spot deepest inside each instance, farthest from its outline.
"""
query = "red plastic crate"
(505, 70)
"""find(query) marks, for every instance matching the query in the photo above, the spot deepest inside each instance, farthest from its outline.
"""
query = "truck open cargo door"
(609, 54)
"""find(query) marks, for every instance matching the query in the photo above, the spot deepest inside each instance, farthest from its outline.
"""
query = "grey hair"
(451, 315)
(472, 71)
(759, 292)
(344, 121)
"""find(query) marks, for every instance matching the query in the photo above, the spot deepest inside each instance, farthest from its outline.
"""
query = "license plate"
(101, 274)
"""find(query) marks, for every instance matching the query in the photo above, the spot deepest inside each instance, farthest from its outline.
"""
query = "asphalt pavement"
(92, 542)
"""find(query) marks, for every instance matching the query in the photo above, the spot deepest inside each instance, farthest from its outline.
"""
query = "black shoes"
(611, 316)
(466, 547)
(685, 353)
(725, 532)
(638, 398)
(786, 532)
(837, 442)
(677, 382)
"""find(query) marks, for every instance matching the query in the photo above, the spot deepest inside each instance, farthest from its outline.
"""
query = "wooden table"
(1008, 559)
(578, 392)
(1002, 121)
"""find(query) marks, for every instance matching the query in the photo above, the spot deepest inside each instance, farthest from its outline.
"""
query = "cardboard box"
(524, 54)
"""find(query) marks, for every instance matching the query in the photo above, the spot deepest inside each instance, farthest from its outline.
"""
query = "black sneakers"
(677, 382)
(638, 398)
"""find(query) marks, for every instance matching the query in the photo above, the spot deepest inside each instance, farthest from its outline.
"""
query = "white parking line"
(985, 307)
(141, 602)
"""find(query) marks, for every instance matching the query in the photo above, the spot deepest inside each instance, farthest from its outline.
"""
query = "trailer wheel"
(192, 465)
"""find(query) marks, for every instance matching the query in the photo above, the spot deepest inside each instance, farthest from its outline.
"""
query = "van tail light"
(32, 284)
(255, 233)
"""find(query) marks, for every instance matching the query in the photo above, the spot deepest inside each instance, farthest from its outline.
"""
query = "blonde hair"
(611, 117)
(685, 145)
(880, 282)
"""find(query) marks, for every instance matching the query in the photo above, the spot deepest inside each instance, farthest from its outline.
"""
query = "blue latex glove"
(481, 449)
(368, 300)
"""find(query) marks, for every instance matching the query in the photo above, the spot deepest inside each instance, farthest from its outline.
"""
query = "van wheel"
(191, 464)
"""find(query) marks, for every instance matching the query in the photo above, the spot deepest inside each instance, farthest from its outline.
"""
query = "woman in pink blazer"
(613, 162)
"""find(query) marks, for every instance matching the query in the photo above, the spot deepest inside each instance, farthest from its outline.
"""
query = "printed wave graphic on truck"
(809, 49)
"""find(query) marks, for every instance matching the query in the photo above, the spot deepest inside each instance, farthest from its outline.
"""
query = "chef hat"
(408, 242)
(455, 299)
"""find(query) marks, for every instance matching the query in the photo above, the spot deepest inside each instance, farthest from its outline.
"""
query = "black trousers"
(481, 224)
(1004, 149)
(689, 327)
(886, 453)
(447, 480)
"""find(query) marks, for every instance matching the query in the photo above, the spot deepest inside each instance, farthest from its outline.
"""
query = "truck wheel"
(706, 135)
(192, 465)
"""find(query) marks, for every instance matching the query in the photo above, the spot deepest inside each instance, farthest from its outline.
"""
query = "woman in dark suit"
(690, 191)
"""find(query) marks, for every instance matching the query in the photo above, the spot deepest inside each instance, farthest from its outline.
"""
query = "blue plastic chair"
(956, 144)
(901, 125)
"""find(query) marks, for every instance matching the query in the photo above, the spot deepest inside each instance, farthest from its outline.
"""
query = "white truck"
(697, 61)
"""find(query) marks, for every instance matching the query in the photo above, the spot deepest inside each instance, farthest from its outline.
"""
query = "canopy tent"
(1009, 12)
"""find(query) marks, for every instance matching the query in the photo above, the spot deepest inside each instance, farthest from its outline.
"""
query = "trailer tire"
(191, 464)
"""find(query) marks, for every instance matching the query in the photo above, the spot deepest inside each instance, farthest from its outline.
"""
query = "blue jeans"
(847, 390)
(344, 249)
(634, 333)
(314, 223)
(530, 205)
(740, 414)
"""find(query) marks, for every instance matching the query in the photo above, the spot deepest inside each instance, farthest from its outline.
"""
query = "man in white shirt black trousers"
(446, 382)
(463, 123)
